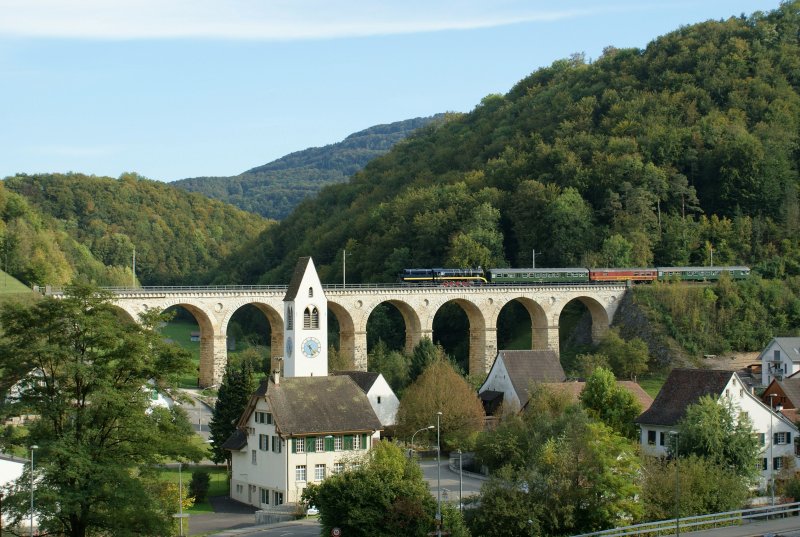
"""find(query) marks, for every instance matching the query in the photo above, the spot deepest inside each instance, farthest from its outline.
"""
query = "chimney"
(276, 377)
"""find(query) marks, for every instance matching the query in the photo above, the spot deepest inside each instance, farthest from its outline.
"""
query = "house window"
(357, 441)
(310, 292)
(777, 463)
(264, 496)
(239, 489)
(762, 439)
(651, 438)
(264, 417)
(300, 473)
(776, 356)
(253, 457)
(661, 438)
(276, 444)
(319, 446)
(278, 498)
(782, 438)
(764, 464)
(338, 443)
(319, 472)
(299, 445)
(263, 442)
(379, 399)
(338, 468)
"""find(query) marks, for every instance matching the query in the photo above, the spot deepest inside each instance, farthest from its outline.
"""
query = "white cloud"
(271, 19)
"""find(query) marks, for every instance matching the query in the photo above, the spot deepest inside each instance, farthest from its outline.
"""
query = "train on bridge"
(511, 276)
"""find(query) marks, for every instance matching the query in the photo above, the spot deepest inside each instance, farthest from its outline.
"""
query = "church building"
(301, 426)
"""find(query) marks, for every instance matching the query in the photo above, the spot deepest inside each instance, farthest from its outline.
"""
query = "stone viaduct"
(213, 308)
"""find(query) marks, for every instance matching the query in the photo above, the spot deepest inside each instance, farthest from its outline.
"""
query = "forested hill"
(274, 189)
(55, 227)
(640, 157)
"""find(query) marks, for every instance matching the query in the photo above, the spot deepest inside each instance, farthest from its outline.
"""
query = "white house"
(297, 431)
(511, 375)
(10, 470)
(780, 359)
(685, 387)
(381, 396)
(307, 425)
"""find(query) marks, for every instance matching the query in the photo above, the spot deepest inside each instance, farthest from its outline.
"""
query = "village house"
(685, 387)
(780, 359)
(381, 396)
(506, 386)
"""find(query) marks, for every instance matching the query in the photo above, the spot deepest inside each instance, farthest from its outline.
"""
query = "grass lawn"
(179, 331)
(11, 285)
(217, 487)
(652, 383)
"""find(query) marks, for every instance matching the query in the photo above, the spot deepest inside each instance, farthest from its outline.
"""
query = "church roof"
(682, 388)
(297, 278)
(364, 379)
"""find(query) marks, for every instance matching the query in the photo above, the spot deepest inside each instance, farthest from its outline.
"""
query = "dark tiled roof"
(526, 367)
(683, 388)
(309, 405)
(297, 278)
(790, 387)
(235, 441)
(364, 379)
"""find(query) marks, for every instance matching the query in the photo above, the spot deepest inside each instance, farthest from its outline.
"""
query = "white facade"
(383, 401)
(10, 470)
(780, 359)
(500, 381)
(306, 327)
(271, 470)
(776, 433)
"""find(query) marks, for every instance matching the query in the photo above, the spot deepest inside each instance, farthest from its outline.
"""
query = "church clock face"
(289, 346)
(311, 347)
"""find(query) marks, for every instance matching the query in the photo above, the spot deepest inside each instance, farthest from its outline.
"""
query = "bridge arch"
(601, 318)
(478, 329)
(541, 335)
(274, 318)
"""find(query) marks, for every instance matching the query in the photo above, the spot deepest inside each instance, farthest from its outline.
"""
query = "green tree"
(441, 389)
(506, 508)
(714, 430)
(199, 485)
(424, 354)
(393, 365)
(705, 487)
(85, 375)
(384, 495)
(627, 359)
(612, 404)
(238, 384)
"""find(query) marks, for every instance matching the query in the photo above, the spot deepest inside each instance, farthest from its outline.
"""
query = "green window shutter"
(363, 441)
(310, 444)
(348, 441)
(329, 444)
(294, 445)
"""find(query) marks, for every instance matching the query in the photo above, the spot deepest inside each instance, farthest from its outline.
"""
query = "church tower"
(305, 314)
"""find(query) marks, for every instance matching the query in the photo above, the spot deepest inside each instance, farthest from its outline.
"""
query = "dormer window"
(311, 318)
(310, 292)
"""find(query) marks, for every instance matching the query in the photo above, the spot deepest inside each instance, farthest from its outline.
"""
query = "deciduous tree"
(84, 374)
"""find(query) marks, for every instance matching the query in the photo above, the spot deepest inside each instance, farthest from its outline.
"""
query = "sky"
(172, 89)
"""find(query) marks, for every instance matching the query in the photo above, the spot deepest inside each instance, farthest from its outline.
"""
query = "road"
(199, 414)
(299, 528)
(471, 485)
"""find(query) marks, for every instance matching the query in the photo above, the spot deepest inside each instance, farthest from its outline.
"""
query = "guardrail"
(701, 522)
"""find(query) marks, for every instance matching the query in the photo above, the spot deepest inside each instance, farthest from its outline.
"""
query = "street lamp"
(460, 483)
(677, 488)
(344, 268)
(438, 477)
(415, 434)
(771, 442)
(33, 447)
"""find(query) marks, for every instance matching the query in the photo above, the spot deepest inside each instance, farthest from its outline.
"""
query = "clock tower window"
(310, 292)
(311, 318)
(290, 320)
